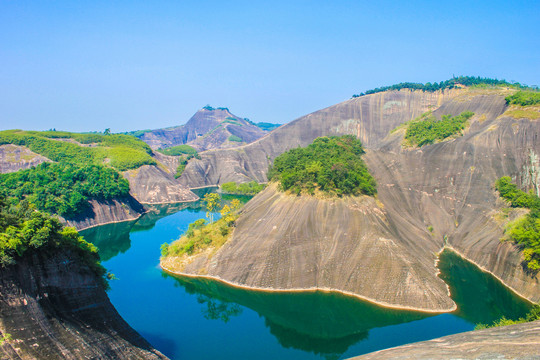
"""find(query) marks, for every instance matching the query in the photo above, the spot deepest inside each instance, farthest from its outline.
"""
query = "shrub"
(525, 230)
(427, 129)
(524, 98)
(330, 164)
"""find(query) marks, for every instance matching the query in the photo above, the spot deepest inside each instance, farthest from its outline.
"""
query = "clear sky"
(127, 65)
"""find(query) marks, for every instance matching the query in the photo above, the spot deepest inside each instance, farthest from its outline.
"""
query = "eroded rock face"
(152, 184)
(387, 252)
(14, 158)
(289, 242)
(521, 341)
(207, 129)
(105, 212)
(55, 308)
(370, 118)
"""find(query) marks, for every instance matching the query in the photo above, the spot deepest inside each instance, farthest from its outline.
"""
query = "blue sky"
(127, 65)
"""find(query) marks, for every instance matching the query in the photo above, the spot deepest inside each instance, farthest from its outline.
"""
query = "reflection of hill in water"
(113, 239)
(110, 239)
(322, 323)
(481, 298)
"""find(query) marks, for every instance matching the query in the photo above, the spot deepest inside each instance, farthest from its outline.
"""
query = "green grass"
(249, 188)
(523, 114)
(123, 152)
(332, 165)
(179, 150)
(235, 138)
(427, 129)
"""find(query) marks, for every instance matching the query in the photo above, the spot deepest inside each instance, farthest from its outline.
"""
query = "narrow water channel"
(202, 319)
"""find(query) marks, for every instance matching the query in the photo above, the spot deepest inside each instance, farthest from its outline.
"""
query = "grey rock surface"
(521, 341)
(14, 158)
(54, 307)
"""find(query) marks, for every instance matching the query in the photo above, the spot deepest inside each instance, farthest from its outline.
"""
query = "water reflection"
(199, 318)
(322, 323)
(481, 298)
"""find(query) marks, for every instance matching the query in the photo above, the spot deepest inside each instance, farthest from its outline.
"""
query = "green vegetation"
(179, 150)
(524, 98)
(448, 84)
(63, 189)
(202, 235)
(332, 165)
(533, 315)
(24, 229)
(4, 338)
(123, 152)
(525, 230)
(235, 138)
(528, 113)
(249, 188)
(427, 129)
(80, 173)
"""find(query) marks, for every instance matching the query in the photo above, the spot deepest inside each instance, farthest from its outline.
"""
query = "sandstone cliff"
(382, 250)
(209, 128)
(15, 158)
(55, 308)
(520, 341)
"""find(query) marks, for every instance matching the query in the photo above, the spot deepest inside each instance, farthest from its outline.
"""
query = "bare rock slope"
(385, 250)
(15, 158)
(209, 128)
(55, 308)
(520, 341)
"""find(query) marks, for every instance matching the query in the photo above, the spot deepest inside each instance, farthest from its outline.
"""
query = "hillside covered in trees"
(86, 166)
(332, 165)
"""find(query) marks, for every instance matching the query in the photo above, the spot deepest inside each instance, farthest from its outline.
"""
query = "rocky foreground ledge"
(521, 341)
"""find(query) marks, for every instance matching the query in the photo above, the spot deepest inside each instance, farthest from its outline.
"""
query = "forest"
(24, 229)
(332, 165)
(63, 189)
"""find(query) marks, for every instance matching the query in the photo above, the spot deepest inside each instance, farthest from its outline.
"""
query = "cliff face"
(370, 118)
(106, 212)
(15, 158)
(382, 250)
(520, 341)
(54, 308)
(207, 129)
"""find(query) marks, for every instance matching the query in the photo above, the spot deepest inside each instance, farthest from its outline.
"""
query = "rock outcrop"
(521, 341)
(54, 307)
(14, 158)
(106, 212)
(286, 242)
(209, 128)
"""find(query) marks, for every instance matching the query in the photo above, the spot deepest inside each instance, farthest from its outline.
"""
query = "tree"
(212, 202)
(107, 131)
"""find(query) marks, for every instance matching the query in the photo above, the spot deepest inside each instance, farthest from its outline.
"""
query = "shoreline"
(451, 248)
(312, 289)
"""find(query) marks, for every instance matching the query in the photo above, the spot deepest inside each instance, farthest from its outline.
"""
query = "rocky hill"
(209, 128)
(54, 307)
(520, 341)
(428, 198)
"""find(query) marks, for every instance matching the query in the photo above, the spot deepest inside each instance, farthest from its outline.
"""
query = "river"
(203, 319)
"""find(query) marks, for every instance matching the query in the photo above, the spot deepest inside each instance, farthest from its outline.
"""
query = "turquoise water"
(202, 319)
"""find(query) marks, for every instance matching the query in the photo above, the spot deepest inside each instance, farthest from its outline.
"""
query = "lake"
(188, 318)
